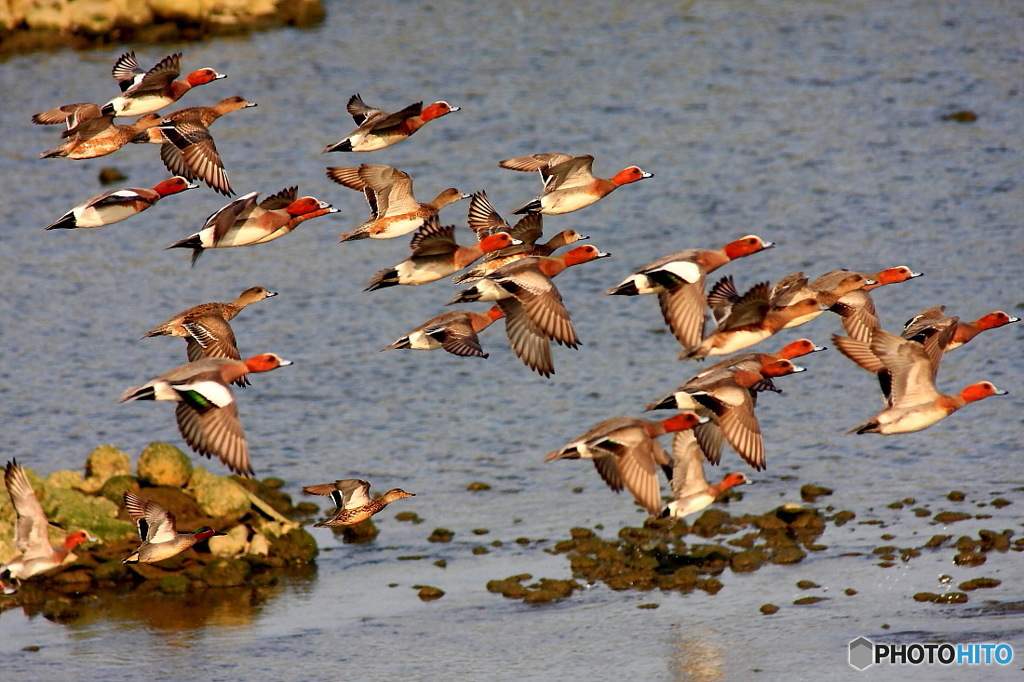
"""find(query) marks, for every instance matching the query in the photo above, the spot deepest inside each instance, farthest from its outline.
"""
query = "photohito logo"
(864, 653)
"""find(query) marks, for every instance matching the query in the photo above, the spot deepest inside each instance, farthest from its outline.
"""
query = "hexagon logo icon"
(862, 653)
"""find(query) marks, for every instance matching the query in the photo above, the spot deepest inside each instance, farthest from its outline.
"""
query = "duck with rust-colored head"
(569, 181)
(627, 454)
(207, 413)
(34, 553)
(378, 129)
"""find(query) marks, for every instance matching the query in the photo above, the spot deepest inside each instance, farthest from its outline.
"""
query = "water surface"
(817, 125)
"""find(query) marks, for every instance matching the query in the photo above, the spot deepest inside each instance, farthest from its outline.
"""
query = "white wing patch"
(216, 392)
(685, 270)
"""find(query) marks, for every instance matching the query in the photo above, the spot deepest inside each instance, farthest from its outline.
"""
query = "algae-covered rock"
(428, 592)
(113, 571)
(710, 522)
(748, 560)
(358, 533)
(510, 587)
(947, 517)
(979, 583)
(222, 572)
(62, 478)
(115, 486)
(106, 461)
(441, 535)
(218, 496)
(294, 547)
(174, 584)
(164, 464)
(74, 510)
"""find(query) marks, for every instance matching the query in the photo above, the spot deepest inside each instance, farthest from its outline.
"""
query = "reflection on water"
(147, 606)
(697, 657)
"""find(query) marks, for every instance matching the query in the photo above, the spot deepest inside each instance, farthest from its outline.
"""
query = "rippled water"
(817, 125)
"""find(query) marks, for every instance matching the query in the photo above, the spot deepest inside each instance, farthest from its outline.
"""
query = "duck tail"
(627, 288)
(54, 153)
(358, 233)
(343, 146)
(532, 207)
(193, 242)
(667, 403)
(132, 558)
(402, 344)
(466, 296)
(385, 278)
(138, 393)
(65, 222)
(567, 453)
(866, 427)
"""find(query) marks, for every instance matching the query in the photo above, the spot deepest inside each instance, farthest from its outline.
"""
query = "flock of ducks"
(514, 271)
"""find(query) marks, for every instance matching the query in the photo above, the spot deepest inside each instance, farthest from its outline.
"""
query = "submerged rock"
(428, 592)
(656, 556)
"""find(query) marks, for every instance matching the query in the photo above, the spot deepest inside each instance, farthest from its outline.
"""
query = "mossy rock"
(174, 584)
(511, 587)
(979, 583)
(106, 461)
(809, 492)
(115, 486)
(970, 559)
(710, 523)
(112, 570)
(218, 496)
(294, 547)
(222, 572)
(164, 464)
(73, 576)
(62, 478)
(748, 560)
(428, 592)
(991, 540)
(947, 517)
(74, 510)
(358, 533)
(441, 535)
(788, 555)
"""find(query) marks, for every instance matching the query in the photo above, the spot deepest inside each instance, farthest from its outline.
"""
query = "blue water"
(817, 125)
